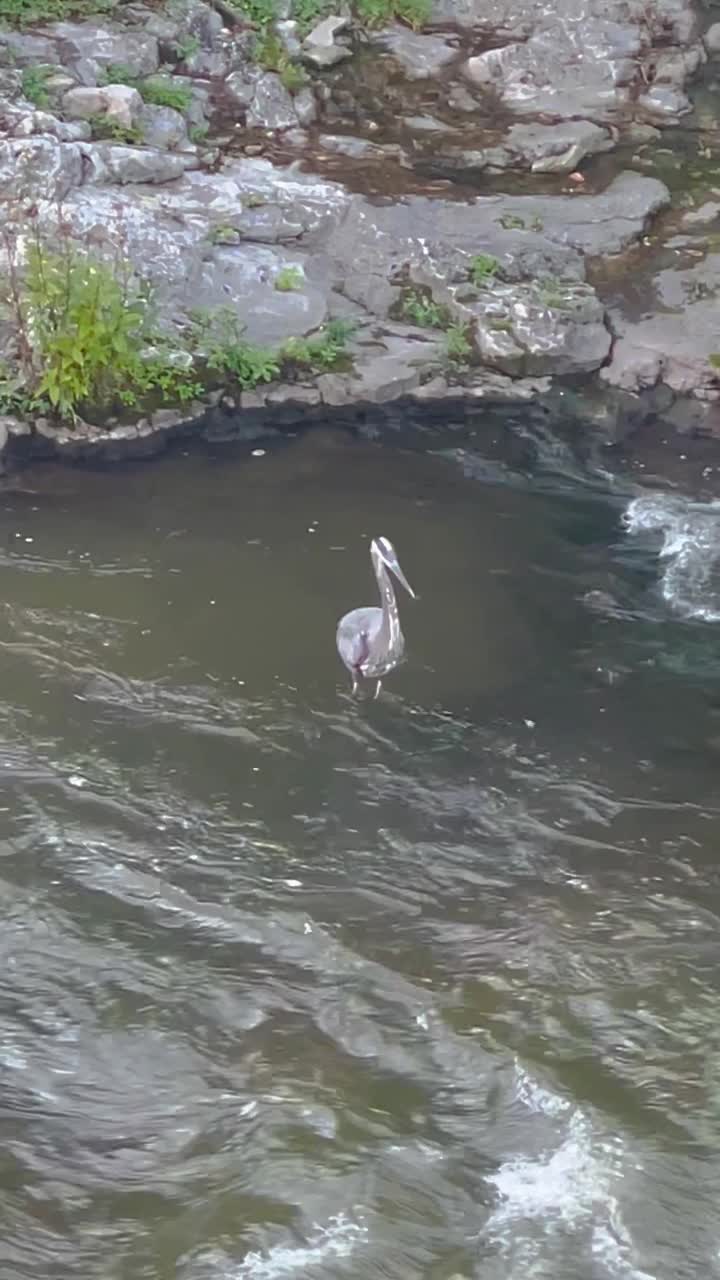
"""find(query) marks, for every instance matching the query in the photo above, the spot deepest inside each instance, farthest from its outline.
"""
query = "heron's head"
(385, 551)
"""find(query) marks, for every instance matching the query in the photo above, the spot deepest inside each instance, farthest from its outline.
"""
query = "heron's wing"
(355, 635)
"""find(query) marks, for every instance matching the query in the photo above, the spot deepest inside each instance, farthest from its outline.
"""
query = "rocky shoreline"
(499, 176)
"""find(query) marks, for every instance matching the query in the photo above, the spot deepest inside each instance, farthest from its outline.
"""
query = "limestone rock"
(163, 128)
(712, 38)
(84, 102)
(708, 212)
(110, 162)
(420, 56)
(673, 345)
(27, 49)
(119, 102)
(122, 104)
(271, 106)
(39, 167)
(319, 46)
(136, 50)
(580, 59)
(305, 106)
(240, 87)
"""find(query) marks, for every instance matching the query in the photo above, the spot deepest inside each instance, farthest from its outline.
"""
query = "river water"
(302, 986)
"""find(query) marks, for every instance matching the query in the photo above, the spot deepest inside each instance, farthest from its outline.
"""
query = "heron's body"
(370, 641)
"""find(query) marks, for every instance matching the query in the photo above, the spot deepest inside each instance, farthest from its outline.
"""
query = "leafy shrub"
(483, 267)
(83, 331)
(289, 279)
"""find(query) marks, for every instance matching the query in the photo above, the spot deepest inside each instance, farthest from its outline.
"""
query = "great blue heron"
(370, 641)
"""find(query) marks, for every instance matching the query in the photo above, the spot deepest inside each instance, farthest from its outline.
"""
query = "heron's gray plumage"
(370, 641)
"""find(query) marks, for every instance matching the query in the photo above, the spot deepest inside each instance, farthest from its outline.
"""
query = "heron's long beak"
(395, 568)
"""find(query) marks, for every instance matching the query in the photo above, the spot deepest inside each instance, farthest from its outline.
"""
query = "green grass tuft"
(289, 279)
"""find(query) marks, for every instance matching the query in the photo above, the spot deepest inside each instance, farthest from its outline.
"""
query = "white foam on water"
(564, 1185)
(338, 1239)
(690, 545)
(565, 1191)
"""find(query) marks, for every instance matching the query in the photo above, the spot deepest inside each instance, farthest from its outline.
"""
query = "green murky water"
(301, 986)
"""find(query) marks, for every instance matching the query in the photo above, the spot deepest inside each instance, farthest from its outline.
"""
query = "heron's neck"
(391, 621)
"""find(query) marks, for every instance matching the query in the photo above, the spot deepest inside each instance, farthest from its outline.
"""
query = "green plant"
(160, 91)
(198, 133)
(457, 345)
(293, 76)
(22, 13)
(502, 325)
(324, 351)
(34, 85)
(157, 91)
(255, 201)
(307, 13)
(289, 279)
(271, 55)
(117, 73)
(537, 224)
(260, 12)
(512, 222)
(377, 13)
(106, 130)
(225, 234)
(219, 334)
(82, 332)
(186, 47)
(420, 309)
(14, 395)
(483, 267)
(549, 290)
(714, 360)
